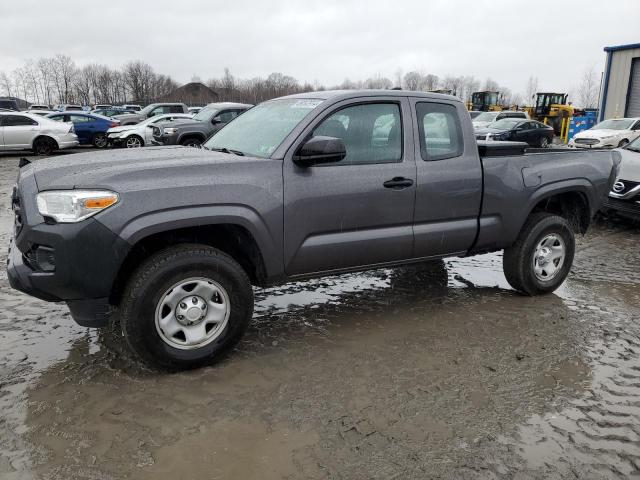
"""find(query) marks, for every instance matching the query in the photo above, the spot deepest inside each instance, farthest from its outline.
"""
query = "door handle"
(398, 183)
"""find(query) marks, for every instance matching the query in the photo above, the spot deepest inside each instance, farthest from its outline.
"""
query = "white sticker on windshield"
(306, 103)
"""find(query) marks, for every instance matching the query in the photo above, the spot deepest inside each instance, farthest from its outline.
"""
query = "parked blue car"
(90, 128)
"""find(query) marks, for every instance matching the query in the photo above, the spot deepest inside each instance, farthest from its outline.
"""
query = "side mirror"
(216, 120)
(320, 149)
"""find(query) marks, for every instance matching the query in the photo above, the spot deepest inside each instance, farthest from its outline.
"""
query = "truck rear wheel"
(541, 257)
(185, 307)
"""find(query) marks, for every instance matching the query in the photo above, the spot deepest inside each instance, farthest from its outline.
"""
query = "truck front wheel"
(542, 256)
(185, 307)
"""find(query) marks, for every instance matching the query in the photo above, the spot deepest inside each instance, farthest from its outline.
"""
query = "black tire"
(518, 260)
(150, 282)
(100, 140)
(44, 146)
(191, 142)
(543, 142)
(624, 142)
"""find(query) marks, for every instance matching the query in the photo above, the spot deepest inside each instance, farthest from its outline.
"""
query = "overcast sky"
(327, 40)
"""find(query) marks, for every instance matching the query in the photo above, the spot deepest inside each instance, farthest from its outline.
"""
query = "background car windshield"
(260, 130)
(486, 117)
(506, 123)
(635, 145)
(206, 113)
(614, 124)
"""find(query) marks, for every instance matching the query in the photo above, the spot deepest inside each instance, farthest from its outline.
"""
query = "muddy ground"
(434, 371)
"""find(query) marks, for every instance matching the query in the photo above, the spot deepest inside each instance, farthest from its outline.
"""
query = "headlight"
(71, 206)
(170, 130)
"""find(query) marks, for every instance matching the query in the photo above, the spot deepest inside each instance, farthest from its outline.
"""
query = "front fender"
(240, 215)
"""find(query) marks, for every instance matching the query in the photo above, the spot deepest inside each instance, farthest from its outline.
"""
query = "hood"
(477, 125)
(490, 130)
(121, 128)
(630, 165)
(599, 133)
(136, 168)
(128, 116)
(181, 123)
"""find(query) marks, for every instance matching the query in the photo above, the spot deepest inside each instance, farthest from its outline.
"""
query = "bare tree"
(532, 89)
(6, 84)
(588, 89)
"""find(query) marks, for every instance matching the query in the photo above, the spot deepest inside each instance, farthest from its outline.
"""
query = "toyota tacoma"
(172, 239)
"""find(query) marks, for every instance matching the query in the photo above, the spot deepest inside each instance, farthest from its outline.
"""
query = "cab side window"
(372, 133)
(439, 131)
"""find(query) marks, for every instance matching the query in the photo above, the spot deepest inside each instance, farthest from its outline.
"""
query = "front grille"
(622, 187)
(587, 141)
(481, 137)
(625, 206)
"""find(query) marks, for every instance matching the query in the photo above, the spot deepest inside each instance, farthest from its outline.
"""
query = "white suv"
(25, 131)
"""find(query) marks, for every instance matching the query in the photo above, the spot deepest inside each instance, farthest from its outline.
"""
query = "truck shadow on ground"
(361, 376)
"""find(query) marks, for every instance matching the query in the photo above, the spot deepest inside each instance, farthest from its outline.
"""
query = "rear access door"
(449, 188)
(358, 211)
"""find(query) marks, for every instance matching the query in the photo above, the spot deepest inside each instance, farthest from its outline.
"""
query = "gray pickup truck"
(204, 124)
(150, 111)
(173, 238)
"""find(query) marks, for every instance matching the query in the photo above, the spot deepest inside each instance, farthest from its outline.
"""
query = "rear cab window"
(440, 133)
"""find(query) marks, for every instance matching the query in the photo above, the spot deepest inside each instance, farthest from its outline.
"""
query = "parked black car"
(536, 134)
(205, 123)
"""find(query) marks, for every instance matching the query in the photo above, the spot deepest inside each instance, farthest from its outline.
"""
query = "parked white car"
(25, 131)
(140, 134)
(612, 133)
(486, 118)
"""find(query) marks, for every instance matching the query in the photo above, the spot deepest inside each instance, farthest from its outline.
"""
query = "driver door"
(358, 211)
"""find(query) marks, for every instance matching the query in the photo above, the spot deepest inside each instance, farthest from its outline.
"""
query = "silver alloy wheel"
(548, 257)
(192, 313)
(133, 142)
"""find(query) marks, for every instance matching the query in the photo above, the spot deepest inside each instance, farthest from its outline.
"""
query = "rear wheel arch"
(572, 205)
(47, 137)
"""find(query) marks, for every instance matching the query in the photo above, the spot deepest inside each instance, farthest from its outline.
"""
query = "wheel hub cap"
(192, 313)
(548, 257)
(191, 310)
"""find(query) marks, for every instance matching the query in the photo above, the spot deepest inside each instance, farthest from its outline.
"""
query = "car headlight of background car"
(71, 206)
(170, 131)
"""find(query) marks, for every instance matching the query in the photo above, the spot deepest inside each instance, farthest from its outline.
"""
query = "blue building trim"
(605, 88)
(617, 48)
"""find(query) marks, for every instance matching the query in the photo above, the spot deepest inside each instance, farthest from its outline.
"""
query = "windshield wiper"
(634, 149)
(228, 150)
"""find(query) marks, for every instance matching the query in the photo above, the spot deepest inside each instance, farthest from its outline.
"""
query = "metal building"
(620, 95)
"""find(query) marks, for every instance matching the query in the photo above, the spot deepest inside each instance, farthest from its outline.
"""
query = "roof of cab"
(345, 94)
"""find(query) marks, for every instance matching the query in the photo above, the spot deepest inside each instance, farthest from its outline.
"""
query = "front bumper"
(625, 208)
(85, 257)
(92, 312)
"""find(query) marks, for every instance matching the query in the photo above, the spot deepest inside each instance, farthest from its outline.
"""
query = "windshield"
(505, 123)
(635, 145)
(486, 117)
(260, 130)
(614, 124)
(206, 113)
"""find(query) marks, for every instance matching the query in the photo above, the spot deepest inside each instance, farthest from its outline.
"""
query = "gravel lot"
(433, 371)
